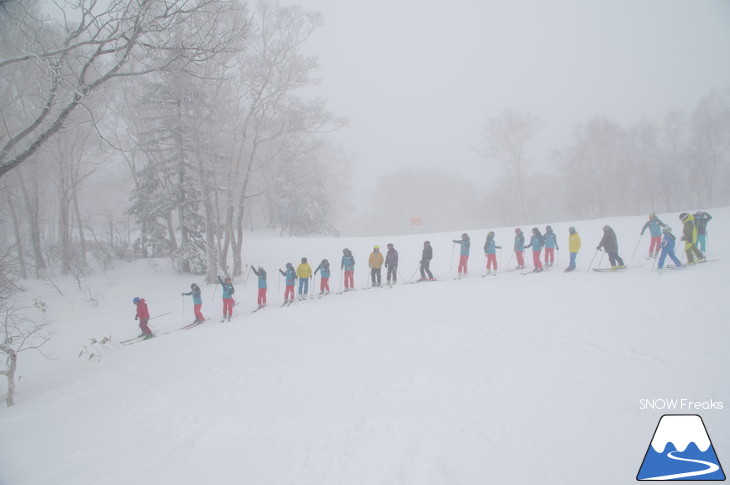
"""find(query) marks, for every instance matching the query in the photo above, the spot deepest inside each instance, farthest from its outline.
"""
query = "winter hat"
(390, 245)
(652, 215)
(571, 229)
(289, 265)
(490, 234)
(548, 228)
(427, 243)
(683, 216)
(344, 251)
(606, 227)
(465, 236)
(304, 260)
(535, 230)
(324, 261)
(666, 229)
(376, 247)
(135, 300)
(518, 230)
(192, 287)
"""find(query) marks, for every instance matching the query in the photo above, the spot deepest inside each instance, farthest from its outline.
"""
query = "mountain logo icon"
(681, 450)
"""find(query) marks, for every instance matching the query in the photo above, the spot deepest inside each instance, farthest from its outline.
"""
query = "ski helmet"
(304, 260)
(548, 228)
(135, 300)
(683, 216)
(666, 229)
(652, 215)
(376, 247)
(192, 287)
(390, 245)
(465, 236)
(571, 229)
(289, 265)
(535, 230)
(345, 251)
(606, 227)
(518, 230)
(490, 234)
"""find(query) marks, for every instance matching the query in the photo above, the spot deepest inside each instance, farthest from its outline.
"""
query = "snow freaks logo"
(681, 450)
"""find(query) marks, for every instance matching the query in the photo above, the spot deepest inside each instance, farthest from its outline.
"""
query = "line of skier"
(662, 245)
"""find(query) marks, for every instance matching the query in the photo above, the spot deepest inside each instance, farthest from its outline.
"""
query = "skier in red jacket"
(143, 315)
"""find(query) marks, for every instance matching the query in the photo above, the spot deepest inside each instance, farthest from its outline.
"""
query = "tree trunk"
(10, 372)
(32, 205)
(79, 225)
(18, 240)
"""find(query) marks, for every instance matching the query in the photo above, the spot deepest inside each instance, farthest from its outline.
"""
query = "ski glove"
(136, 317)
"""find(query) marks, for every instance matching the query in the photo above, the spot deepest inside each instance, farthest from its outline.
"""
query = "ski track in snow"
(457, 381)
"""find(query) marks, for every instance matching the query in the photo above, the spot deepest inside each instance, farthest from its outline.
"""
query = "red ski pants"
(549, 255)
(227, 306)
(144, 327)
(261, 300)
(349, 279)
(536, 259)
(198, 313)
(324, 285)
(656, 245)
(289, 293)
(492, 261)
(520, 259)
(462, 263)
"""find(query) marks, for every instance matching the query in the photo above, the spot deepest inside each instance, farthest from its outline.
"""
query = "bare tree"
(505, 139)
(95, 43)
(18, 333)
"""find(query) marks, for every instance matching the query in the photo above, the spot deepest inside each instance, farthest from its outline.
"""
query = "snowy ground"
(505, 379)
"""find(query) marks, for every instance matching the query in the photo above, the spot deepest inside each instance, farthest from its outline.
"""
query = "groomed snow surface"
(504, 379)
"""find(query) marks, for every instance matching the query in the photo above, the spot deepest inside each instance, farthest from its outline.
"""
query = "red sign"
(416, 221)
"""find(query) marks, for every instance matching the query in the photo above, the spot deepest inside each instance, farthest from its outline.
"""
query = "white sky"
(417, 78)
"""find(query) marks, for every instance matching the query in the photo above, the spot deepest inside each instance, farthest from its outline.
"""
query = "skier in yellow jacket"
(304, 272)
(375, 262)
(689, 236)
(573, 247)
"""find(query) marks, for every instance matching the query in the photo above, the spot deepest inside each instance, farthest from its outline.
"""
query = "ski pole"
(500, 259)
(160, 315)
(453, 250)
(414, 272)
(214, 290)
(247, 275)
(592, 259)
(484, 271)
(510, 259)
(367, 278)
(653, 262)
(637, 246)
(278, 287)
(339, 289)
(183, 304)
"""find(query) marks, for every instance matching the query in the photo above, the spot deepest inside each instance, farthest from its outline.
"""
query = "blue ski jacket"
(550, 240)
(669, 242)
(262, 277)
(228, 289)
(655, 227)
(290, 275)
(197, 299)
(535, 243)
(324, 269)
(520, 242)
(465, 246)
(391, 259)
(490, 247)
(348, 262)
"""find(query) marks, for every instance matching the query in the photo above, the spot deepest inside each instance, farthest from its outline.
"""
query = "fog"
(343, 118)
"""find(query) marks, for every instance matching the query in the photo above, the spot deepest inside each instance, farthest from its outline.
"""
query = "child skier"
(324, 277)
(689, 236)
(304, 272)
(490, 251)
(536, 243)
(375, 262)
(520, 248)
(609, 242)
(465, 244)
(668, 244)
(425, 263)
(290, 277)
(348, 265)
(701, 220)
(263, 286)
(391, 263)
(654, 224)
(573, 247)
(228, 292)
(143, 315)
(197, 302)
(551, 244)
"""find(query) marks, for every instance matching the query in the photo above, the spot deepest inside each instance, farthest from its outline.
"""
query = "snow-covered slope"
(505, 379)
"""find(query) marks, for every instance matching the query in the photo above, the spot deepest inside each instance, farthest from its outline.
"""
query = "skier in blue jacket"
(551, 244)
(536, 243)
(654, 224)
(228, 291)
(465, 244)
(668, 244)
(197, 302)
